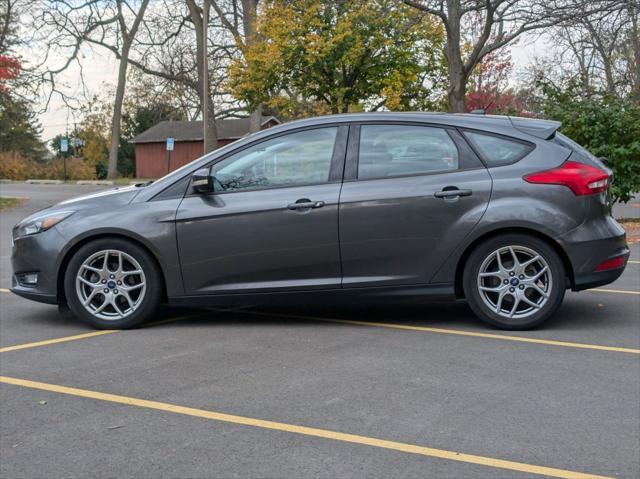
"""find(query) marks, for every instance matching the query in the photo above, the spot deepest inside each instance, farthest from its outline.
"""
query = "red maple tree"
(9, 70)
(489, 86)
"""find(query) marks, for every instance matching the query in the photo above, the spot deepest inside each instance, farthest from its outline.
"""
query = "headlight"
(40, 224)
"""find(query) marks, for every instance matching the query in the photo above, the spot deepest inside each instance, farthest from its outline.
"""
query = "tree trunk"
(211, 142)
(127, 40)
(457, 75)
(608, 72)
(212, 129)
(112, 170)
(255, 120)
(457, 91)
(634, 12)
(249, 14)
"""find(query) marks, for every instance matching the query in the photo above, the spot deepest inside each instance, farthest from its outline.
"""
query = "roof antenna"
(479, 111)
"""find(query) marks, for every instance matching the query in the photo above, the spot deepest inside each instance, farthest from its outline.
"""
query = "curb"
(94, 182)
(5, 180)
(44, 182)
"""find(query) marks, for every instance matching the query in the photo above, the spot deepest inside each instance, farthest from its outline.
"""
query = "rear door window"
(400, 150)
(498, 150)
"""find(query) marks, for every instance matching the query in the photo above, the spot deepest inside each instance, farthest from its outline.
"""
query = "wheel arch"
(498, 232)
(64, 263)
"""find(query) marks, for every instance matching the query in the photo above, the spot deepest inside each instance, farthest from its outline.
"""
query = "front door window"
(296, 159)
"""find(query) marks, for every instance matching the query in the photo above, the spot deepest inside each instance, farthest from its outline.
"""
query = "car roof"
(509, 125)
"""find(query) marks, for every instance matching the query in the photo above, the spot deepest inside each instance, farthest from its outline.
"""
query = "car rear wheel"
(514, 281)
(113, 284)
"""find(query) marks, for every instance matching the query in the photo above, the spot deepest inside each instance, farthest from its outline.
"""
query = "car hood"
(120, 195)
(102, 199)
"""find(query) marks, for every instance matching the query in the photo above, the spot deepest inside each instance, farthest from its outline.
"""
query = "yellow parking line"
(459, 332)
(56, 340)
(633, 261)
(4, 290)
(303, 430)
(76, 337)
(618, 291)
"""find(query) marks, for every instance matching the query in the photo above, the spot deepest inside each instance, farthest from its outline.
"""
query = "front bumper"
(39, 253)
(591, 244)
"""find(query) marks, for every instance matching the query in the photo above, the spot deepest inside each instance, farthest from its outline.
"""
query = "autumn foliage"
(9, 70)
(489, 86)
(15, 167)
(339, 56)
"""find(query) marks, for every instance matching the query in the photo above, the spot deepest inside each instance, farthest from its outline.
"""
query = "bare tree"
(111, 25)
(240, 20)
(7, 22)
(197, 18)
(501, 22)
(166, 52)
(601, 50)
(126, 34)
(633, 49)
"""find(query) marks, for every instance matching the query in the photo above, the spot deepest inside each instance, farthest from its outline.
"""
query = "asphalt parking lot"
(319, 391)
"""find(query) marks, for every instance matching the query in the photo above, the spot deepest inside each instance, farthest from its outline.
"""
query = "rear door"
(272, 222)
(412, 192)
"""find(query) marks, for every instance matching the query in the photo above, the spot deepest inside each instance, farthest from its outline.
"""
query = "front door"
(271, 223)
(410, 196)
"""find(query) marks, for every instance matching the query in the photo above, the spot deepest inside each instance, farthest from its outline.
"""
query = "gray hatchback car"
(504, 212)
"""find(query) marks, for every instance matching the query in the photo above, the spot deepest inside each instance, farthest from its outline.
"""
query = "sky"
(100, 73)
(100, 70)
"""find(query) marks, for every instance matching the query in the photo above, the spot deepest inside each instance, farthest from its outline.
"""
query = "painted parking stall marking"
(304, 430)
(458, 332)
(617, 291)
(47, 342)
(93, 334)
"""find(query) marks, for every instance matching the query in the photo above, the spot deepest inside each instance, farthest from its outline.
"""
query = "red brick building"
(152, 157)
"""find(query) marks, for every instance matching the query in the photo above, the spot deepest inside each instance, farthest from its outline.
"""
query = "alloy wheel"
(515, 282)
(111, 284)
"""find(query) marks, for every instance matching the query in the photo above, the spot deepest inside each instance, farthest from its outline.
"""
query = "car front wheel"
(113, 284)
(514, 281)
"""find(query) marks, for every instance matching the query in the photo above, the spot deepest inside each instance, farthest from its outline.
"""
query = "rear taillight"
(613, 263)
(580, 178)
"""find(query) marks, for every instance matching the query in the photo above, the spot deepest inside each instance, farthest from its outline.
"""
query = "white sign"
(169, 144)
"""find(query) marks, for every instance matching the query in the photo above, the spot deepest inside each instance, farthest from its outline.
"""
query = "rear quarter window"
(498, 150)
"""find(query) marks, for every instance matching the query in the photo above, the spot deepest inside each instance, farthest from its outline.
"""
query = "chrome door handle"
(305, 204)
(452, 193)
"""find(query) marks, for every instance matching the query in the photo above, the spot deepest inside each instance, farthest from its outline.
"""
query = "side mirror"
(202, 181)
(604, 160)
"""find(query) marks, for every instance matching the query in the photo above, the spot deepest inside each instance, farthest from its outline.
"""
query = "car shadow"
(578, 313)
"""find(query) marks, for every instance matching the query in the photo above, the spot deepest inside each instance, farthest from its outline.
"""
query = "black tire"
(476, 300)
(152, 277)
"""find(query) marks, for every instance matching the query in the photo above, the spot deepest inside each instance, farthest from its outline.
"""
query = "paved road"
(628, 210)
(399, 378)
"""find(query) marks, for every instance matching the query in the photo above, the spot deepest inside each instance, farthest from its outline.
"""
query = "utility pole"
(205, 75)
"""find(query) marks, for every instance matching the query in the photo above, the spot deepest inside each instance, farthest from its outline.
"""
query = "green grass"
(6, 202)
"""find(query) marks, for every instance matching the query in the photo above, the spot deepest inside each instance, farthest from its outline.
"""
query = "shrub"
(15, 167)
(606, 126)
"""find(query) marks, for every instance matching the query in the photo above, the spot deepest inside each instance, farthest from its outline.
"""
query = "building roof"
(230, 129)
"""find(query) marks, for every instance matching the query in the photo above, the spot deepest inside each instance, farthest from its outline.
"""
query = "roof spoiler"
(544, 129)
